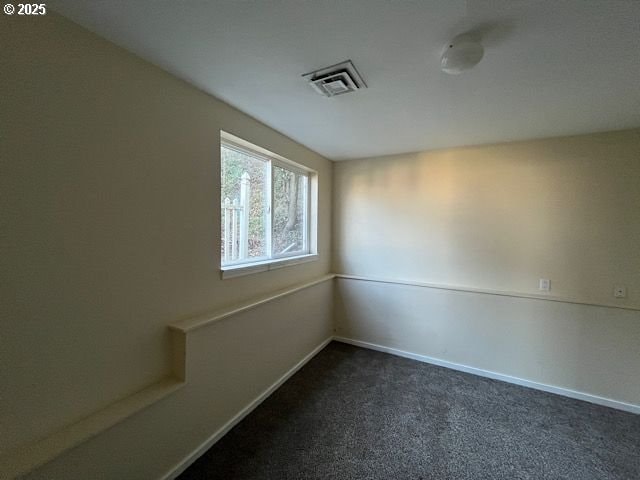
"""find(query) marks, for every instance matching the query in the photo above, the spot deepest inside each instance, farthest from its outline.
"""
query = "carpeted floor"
(352, 413)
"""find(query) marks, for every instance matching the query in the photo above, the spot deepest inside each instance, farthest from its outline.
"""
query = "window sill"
(265, 266)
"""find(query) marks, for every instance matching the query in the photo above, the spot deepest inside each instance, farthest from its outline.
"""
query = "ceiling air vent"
(336, 79)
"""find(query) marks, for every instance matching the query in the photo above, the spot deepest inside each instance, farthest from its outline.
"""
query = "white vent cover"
(336, 79)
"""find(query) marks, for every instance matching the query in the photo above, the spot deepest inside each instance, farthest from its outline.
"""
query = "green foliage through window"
(245, 232)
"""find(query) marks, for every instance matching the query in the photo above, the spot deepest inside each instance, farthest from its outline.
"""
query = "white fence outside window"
(235, 215)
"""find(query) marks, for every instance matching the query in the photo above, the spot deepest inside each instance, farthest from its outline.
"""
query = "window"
(267, 209)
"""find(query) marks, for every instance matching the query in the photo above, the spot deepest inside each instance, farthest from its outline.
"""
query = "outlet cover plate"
(544, 285)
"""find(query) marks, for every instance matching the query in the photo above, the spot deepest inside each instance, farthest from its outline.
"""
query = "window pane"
(244, 206)
(289, 212)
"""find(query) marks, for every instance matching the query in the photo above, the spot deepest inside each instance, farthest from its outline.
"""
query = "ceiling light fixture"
(461, 54)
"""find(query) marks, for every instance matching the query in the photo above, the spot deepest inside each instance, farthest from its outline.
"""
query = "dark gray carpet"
(352, 413)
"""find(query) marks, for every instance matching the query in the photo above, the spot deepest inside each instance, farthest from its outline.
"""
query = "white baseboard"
(607, 402)
(207, 444)
(193, 456)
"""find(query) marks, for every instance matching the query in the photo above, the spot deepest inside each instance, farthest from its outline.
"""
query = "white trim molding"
(209, 442)
(215, 437)
(232, 271)
(487, 291)
(195, 323)
(587, 397)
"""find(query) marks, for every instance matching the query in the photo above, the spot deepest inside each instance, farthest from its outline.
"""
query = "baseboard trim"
(193, 456)
(587, 397)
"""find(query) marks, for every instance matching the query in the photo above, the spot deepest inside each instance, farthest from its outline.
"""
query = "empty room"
(320, 239)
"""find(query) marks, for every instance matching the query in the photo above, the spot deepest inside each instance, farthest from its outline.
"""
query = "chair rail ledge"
(33, 455)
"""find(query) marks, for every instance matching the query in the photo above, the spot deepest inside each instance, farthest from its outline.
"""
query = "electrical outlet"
(544, 285)
(620, 291)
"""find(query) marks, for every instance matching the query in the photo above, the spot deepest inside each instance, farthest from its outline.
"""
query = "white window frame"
(271, 262)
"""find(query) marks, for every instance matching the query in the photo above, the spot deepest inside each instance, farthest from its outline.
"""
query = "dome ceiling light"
(461, 54)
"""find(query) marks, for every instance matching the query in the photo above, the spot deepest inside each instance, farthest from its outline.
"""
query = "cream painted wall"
(229, 364)
(110, 221)
(587, 349)
(499, 218)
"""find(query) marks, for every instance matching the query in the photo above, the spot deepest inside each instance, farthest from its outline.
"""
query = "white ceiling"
(550, 68)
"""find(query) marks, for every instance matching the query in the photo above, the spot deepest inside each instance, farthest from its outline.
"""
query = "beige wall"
(230, 363)
(110, 221)
(498, 218)
(585, 349)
